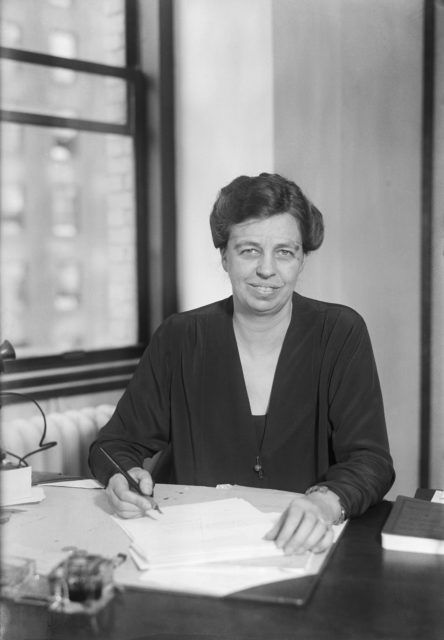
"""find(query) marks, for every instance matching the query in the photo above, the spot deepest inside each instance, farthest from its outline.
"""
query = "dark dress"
(325, 422)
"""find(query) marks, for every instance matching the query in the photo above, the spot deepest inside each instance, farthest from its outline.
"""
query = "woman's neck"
(261, 332)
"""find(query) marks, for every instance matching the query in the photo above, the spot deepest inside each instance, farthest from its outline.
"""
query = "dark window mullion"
(132, 34)
(78, 124)
(138, 121)
(75, 64)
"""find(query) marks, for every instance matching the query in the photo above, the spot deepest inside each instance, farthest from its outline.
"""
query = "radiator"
(73, 430)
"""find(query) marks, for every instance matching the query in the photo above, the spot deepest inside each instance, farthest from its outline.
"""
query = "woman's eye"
(285, 253)
(249, 251)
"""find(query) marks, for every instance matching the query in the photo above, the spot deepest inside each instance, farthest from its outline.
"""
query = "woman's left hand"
(301, 528)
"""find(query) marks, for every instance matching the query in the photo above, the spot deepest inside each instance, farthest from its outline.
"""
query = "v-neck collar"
(227, 424)
(240, 371)
(225, 388)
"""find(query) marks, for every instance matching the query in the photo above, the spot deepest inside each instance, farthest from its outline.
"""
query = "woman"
(266, 388)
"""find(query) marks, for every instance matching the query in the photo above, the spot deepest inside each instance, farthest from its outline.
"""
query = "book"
(414, 525)
(434, 495)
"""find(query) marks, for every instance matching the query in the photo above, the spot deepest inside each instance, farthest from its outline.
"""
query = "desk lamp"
(16, 480)
(7, 352)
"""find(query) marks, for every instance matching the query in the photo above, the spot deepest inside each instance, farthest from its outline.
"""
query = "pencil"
(132, 483)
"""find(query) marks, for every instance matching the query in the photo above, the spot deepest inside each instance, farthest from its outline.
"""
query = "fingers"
(301, 528)
(125, 502)
(271, 535)
(144, 479)
(325, 542)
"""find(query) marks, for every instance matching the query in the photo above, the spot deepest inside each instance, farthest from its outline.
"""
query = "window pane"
(96, 28)
(67, 240)
(62, 92)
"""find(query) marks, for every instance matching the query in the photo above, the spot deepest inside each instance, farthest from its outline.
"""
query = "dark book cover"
(424, 494)
(414, 524)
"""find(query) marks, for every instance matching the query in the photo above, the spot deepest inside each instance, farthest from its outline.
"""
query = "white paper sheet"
(193, 534)
(225, 578)
(161, 547)
(37, 495)
(87, 483)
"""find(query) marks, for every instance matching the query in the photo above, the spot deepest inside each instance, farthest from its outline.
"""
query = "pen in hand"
(132, 483)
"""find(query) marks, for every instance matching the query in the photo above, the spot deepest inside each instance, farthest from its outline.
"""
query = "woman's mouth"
(265, 289)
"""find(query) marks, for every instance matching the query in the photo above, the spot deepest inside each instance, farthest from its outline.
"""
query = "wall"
(345, 78)
(349, 128)
(224, 124)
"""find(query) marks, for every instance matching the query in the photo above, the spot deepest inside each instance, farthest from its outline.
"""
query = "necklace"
(260, 423)
(258, 467)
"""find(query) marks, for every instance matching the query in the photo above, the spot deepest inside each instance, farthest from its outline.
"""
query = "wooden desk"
(365, 593)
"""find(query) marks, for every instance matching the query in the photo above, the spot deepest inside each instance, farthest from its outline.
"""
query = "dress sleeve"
(140, 424)
(361, 469)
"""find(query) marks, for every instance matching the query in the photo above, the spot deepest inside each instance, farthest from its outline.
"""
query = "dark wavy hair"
(263, 196)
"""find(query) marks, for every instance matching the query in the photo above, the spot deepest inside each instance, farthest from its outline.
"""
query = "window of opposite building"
(71, 218)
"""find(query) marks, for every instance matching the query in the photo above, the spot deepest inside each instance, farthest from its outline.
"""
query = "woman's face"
(263, 259)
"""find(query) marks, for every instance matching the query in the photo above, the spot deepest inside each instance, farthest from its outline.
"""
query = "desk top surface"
(364, 592)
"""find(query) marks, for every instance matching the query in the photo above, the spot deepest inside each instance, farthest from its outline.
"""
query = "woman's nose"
(265, 266)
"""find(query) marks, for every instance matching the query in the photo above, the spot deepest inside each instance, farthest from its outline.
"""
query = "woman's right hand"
(125, 502)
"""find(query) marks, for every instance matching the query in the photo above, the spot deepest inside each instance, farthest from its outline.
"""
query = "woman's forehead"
(281, 225)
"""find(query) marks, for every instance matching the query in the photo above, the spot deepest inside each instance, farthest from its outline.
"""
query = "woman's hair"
(261, 197)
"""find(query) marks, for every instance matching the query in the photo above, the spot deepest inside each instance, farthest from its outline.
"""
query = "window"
(70, 216)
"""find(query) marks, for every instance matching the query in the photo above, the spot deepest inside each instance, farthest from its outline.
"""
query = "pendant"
(258, 468)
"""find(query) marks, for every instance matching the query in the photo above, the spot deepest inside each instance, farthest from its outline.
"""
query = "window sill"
(70, 374)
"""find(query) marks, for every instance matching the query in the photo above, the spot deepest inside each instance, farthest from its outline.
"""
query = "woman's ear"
(223, 257)
(303, 261)
(302, 264)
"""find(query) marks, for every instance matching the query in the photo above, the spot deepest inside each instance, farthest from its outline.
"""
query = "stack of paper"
(192, 534)
(213, 548)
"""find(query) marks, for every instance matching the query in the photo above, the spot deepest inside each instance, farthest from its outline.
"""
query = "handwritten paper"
(212, 547)
(192, 534)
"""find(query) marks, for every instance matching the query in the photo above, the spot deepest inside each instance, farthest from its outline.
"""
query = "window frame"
(89, 371)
